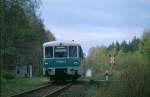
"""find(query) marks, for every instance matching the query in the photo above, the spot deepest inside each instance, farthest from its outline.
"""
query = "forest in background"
(131, 68)
(22, 34)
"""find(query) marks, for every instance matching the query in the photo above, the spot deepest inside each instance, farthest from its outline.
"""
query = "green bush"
(2, 79)
(135, 76)
(98, 62)
(8, 74)
(132, 72)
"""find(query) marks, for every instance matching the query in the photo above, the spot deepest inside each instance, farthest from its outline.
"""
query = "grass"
(18, 85)
(130, 78)
(98, 91)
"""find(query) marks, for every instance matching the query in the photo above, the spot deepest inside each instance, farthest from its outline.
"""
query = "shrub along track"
(45, 91)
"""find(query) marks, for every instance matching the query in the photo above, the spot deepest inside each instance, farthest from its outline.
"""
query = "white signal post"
(106, 75)
(111, 62)
(111, 59)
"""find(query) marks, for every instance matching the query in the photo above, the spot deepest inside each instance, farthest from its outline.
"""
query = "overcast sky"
(95, 22)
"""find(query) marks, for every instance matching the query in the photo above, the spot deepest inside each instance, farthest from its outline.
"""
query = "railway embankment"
(20, 85)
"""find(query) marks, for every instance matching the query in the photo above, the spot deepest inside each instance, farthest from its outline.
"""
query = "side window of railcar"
(80, 52)
(48, 52)
(72, 51)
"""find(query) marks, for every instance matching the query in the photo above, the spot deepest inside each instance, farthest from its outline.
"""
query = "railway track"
(78, 89)
(58, 91)
(51, 90)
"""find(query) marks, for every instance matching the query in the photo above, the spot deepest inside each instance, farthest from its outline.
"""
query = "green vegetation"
(132, 68)
(11, 87)
(131, 46)
(22, 34)
(98, 62)
(94, 91)
(8, 74)
(145, 43)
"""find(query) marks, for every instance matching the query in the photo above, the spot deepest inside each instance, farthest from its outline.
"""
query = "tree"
(124, 46)
(144, 45)
(22, 33)
(133, 45)
(117, 47)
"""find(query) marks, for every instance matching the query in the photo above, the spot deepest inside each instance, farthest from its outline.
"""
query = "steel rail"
(51, 93)
(30, 91)
(58, 91)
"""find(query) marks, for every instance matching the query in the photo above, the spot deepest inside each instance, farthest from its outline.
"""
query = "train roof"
(63, 43)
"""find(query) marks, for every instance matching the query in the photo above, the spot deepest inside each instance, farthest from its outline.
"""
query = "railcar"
(62, 60)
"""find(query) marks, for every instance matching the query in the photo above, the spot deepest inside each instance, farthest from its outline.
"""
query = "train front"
(62, 60)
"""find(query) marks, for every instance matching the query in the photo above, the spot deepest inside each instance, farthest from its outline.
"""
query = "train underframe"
(63, 75)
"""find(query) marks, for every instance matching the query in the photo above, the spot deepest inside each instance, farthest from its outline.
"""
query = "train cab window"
(48, 52)
(60, 51)
(72, 51)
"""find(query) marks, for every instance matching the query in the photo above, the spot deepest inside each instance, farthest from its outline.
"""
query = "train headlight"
(51, 71)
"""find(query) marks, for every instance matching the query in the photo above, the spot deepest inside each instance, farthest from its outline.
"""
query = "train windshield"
(60, 51)
(48, 52)
(72, 51)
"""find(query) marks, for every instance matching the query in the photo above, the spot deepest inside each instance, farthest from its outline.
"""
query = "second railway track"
(51, 90)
